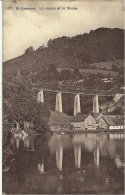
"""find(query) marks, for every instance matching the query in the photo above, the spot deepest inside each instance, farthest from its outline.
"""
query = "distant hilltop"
(100, 45)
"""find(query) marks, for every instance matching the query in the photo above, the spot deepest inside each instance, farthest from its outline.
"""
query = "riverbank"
(63, 131)
(25, 132)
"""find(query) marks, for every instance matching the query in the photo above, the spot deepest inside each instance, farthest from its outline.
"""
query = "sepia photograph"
(63, 97)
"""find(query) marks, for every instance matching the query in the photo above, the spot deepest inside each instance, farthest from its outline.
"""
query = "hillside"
(113, 107)
(107, 65)
(81, 51)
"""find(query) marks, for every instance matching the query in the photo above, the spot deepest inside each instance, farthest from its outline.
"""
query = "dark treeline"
(99, 45)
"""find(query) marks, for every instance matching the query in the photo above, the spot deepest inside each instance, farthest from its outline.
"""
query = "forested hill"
(100, 45)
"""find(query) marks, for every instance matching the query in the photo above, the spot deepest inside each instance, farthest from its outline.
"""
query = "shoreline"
(63, 131)
(68, 131)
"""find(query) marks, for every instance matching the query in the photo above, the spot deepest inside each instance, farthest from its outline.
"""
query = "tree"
(25, 107)
(121, 70)
(53, 74)
(29, 49)
(40, 115)
(114, 67)
(100, 75)
(50, 43)
(109, 75)
(87, 66)
(42, 75)
(77, 74)
(6, 149)
(41, 47)
(65, 74)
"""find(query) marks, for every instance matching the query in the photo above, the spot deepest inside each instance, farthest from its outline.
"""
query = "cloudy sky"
(24, 28)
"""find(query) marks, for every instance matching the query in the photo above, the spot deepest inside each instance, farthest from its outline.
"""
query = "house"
(112, 122)
(83, 121)
(96, 116)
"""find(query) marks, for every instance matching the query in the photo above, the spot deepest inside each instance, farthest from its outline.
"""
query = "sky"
(25, 28)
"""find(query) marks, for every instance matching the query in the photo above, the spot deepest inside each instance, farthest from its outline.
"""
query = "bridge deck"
(89, 93)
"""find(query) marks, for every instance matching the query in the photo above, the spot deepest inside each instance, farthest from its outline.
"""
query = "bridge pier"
(59, 102)
(77, 107)
(40, 97)
(96, 104)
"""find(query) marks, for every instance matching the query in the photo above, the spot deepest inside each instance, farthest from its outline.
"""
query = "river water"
(66, 164)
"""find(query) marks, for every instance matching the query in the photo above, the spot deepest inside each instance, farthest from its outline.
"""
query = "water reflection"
(98, 144)
(41, 167)
(77, 153)
(59, 156)
(77, 163)
(97, 152)
(119, 162)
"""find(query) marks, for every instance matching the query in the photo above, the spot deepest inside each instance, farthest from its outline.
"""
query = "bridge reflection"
(59, 156)
(41, 164)
(98, 145)
(77, 154)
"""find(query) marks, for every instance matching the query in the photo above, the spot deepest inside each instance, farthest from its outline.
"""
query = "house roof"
(114, 120)
(79, 118)
(96, 116)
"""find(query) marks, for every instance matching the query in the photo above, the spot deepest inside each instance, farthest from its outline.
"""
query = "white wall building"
(83, 121)
(112, 122)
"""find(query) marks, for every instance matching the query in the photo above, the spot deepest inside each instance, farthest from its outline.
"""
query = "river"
(66, 164)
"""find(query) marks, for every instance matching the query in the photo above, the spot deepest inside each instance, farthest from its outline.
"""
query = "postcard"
(63, 97)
